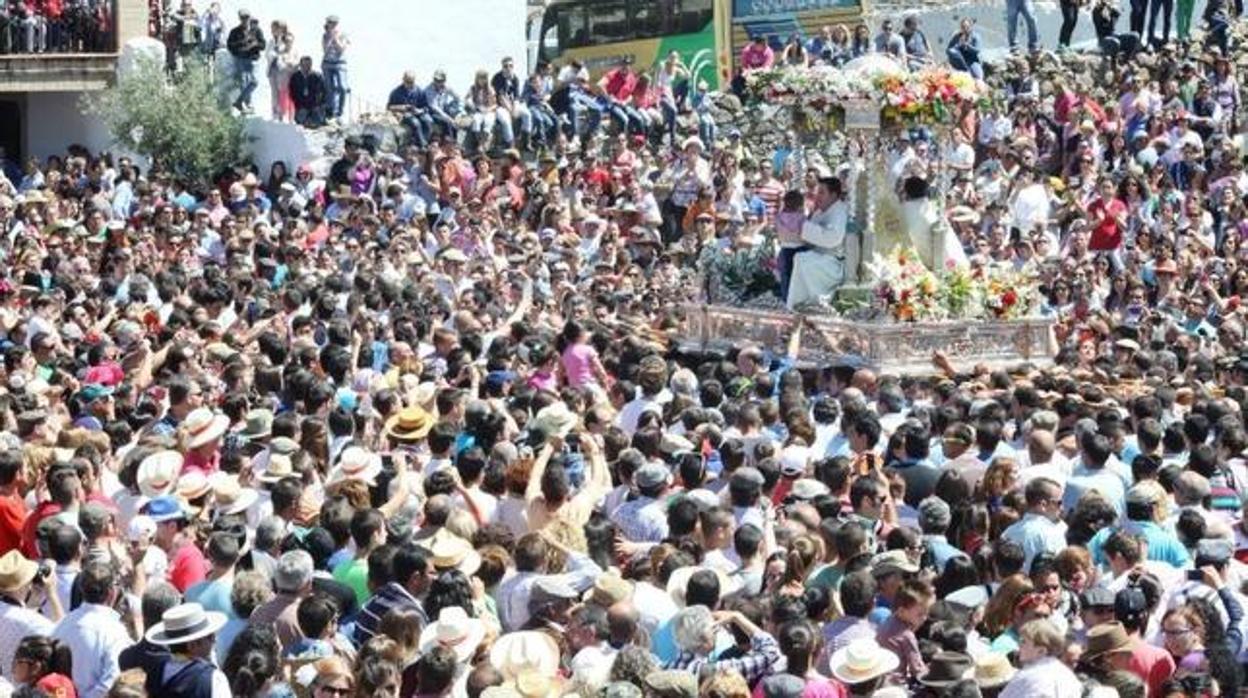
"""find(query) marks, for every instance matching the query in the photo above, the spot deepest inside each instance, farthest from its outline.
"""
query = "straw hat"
(410, 424)
(16, 571)
(230, 497)
(192, 485)
(454, 630)
(356, 463)
(554, 419)
(532, 650)
(158, 473)
(280, 467)
(258, 424)
(202, 427)
(677, 583)
(993, 670)
(608, 590)
(861, 661)
(183, 623)
(449, 551)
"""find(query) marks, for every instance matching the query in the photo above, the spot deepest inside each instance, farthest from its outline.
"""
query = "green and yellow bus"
(708, 34)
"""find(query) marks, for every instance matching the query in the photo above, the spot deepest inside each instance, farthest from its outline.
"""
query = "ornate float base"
(898, 348)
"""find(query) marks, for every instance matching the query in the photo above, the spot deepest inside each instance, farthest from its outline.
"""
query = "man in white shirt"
(652, 381)
(1030, 207)
(471, 467)
(514, 592)
(588, 635)
(94, 632)
(17, 619)
(1043, 460)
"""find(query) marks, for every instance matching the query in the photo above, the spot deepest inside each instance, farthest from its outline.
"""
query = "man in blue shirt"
(443, 104)
(1143, 502)
(1041, 530)
(1093, 475)
(934, 519)
(408, 101)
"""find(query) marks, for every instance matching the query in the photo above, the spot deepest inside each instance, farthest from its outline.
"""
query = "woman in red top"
(1108, 216)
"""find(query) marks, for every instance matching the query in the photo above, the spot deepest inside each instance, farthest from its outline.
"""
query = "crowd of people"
(57, 26)
(418, 426)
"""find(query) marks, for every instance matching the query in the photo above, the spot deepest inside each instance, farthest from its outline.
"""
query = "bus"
(708, 34)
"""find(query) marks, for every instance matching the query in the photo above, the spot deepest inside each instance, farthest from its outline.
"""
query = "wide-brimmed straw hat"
(410, 424)
(183, 623)
(203, 426)
(993, 670)
(525, 650)
(861, 661)
(229, 496)
(356, 463)
(16, 571)
(193, 484)
(454, 630)
(449, 551)
(158, 473)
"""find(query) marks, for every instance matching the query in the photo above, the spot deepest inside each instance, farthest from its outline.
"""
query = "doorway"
(11, 130)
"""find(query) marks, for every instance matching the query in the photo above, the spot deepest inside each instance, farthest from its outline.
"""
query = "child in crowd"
(789, 223)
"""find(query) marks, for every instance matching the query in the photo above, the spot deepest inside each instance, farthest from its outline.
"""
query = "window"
(573, 31)
(596, 22)
(693, 16)
(651, 19)
(608, 22)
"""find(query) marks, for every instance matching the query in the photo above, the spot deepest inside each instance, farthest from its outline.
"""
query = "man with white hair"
(694, 631)
(292, 580)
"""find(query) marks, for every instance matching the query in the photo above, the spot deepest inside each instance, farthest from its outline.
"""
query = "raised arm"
(534, 488)
(401, 489)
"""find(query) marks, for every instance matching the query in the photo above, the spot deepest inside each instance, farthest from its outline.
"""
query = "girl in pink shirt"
(544, 362)
(789, 222)
(581, 366)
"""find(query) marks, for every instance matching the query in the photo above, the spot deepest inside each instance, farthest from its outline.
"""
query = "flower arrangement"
(907, 291)
(736, 277)
(920, 96)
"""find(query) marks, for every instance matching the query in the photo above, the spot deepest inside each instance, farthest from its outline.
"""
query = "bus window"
(650, 20)
(693, 16)
(608, 23)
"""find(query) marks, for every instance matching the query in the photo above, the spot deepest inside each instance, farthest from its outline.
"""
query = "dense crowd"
(416, 425)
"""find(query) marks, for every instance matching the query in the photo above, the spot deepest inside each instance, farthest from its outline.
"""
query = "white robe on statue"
(930, 236)
(819, 271)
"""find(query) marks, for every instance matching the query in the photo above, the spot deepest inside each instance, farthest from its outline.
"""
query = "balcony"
(80, 56)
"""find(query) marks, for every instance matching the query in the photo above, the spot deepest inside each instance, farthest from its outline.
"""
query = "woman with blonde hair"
(1043, 675)
(724, 684)
(333, 679)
